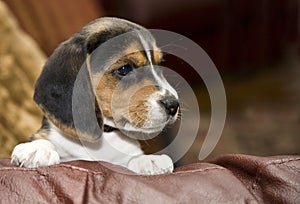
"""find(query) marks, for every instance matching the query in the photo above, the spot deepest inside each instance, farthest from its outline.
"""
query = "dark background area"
(237, 35)
(255, 44)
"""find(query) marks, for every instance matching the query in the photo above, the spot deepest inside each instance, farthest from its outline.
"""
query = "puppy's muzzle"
(170, 105)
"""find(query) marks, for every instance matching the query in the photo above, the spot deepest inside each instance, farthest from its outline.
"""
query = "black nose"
(171, 105)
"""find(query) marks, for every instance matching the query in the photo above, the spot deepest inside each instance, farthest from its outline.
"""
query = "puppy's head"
(130, 90)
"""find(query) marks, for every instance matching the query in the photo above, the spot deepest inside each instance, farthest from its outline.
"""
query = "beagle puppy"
(129, 100)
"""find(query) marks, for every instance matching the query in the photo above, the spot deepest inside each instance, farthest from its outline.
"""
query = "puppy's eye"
(124, 70)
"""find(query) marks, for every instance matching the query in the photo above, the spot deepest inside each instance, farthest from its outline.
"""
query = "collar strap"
(108, 128)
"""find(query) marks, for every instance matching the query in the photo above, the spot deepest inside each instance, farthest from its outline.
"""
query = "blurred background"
(255, 44)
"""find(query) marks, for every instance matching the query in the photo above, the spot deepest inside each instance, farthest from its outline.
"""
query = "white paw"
(34, 154)
(151, 164)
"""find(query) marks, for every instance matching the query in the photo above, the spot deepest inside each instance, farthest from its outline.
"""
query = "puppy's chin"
(152, 125)
(149, 130)
(141, 133)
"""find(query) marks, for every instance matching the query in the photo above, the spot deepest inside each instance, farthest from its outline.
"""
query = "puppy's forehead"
(135, 39)
(110, 24)
(137, 53)
(149, 47)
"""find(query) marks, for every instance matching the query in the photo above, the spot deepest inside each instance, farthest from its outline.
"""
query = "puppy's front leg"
(39, 152)
(151, 164)
(33, 154)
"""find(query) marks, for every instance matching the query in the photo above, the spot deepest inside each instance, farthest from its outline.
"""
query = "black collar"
(108, 128)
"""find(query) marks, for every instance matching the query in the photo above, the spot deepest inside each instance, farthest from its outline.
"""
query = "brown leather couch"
(227, 179)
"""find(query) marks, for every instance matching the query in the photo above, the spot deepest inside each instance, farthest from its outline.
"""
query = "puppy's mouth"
(150, 129)
(159, 115)
(144, 132)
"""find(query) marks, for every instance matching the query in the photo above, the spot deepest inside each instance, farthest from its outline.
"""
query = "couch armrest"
(227, 179)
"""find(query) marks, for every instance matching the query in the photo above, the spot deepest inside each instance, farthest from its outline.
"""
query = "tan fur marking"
(133, 54)
(107, 85)
(138, 104)
(137, 58)
(157, 55)
(40, 134)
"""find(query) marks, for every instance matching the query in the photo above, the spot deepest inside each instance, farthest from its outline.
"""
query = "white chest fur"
(112, 147)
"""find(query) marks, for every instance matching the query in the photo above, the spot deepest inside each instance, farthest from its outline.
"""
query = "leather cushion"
(227, 179)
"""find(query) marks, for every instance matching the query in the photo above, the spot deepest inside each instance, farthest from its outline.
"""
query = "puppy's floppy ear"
(54, 88)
